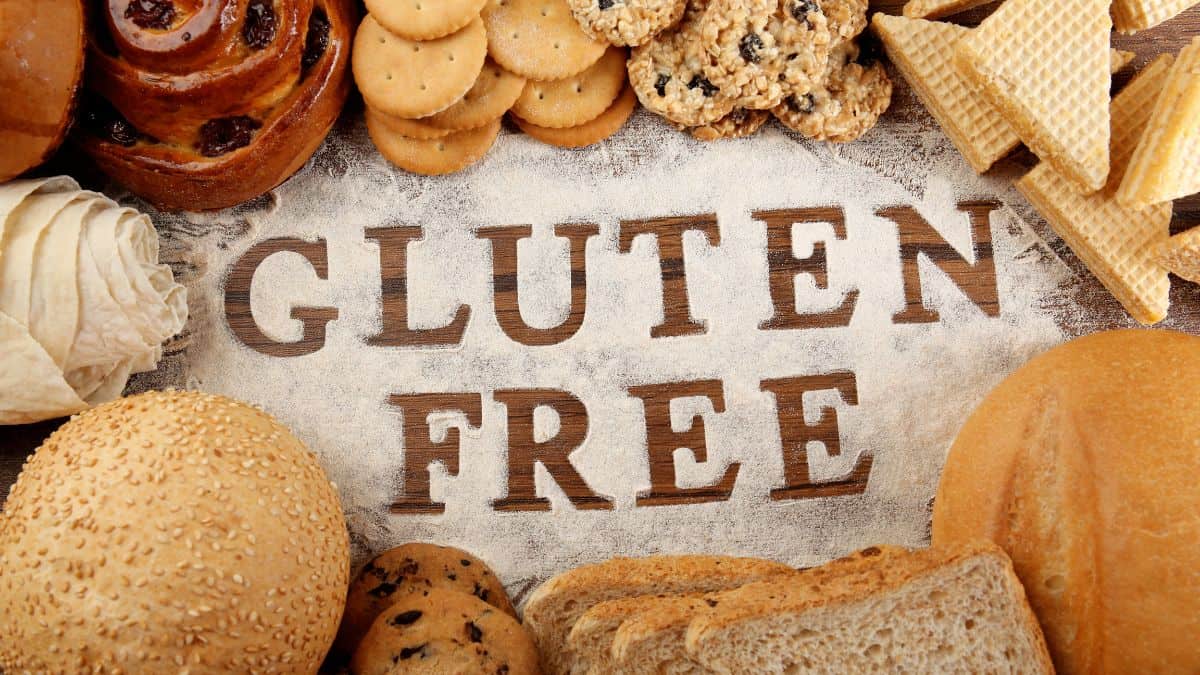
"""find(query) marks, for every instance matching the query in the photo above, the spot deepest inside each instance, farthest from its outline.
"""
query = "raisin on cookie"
(669, 79)
(737, 124)
(808, 31)
(442, 631)
(846, 105)
(414, 569)
(756, 49)
(626, 22)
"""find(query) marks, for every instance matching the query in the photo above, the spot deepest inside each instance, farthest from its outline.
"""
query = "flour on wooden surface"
(916, 383)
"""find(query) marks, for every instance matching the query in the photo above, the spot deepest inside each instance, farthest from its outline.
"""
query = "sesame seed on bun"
(171, 531)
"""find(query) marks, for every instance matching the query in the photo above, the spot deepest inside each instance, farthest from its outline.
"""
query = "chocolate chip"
(870, 552)
(480, 593)
(749, 46)
(606, 4)
(226, 134)
(473, 632)
(259, 29)
(101, 118)
(802, 104)
(707, 88)
(406, 618)
(317, 40)
(502, 670)
(465, 562)
(155, 14)
(382, 590)
(452, 577)
(710, 602)
(802, 8)
(407, 653)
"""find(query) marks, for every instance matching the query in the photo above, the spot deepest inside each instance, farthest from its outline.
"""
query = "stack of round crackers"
(434, 99)
(729, 65)
(438, 77)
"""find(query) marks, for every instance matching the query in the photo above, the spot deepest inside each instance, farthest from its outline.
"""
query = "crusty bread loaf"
(959, 609)
(651, 639)
(553, 607)
(1082, 465)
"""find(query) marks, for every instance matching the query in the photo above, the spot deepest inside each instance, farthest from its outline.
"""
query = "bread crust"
(172, 174)
(553, 607)
(41, 65)
(855, 581)
(1082, 466)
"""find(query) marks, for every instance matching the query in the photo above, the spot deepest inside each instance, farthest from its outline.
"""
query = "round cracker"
(588, 133)
(436, 156)
(495, 91)
(539, 39)
(407, 78)
(424, 19)
(407, 128)
(572, 101)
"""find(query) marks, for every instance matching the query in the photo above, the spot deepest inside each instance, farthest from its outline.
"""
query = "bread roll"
(41, 67)
(84, 302)
(1083, 465)
(171, 532)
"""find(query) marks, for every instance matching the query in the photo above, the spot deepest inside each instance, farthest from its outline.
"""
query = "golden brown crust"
(552, 608)
(1081, 465)
(41, 66)
(295, 105)
(856, 578)
(167, 526)
(414, 568)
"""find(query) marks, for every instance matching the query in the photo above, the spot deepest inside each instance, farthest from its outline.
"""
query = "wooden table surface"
(17, 442)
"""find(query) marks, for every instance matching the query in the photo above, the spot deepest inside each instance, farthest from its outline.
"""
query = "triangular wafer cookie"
(1166, 165)
(935, 9)
(1181, 255)
(1045, 64)
(1130, 16)
(923, 51)
(1119, 245)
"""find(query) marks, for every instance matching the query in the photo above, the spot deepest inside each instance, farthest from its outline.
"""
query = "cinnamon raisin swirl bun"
(203, 104)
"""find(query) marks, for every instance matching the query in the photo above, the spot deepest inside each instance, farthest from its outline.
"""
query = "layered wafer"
(1045, 65)
(1130, 16)
(923, 51)
(1166, 165)
(1118, 244)
(935, 9)
(1181, 254)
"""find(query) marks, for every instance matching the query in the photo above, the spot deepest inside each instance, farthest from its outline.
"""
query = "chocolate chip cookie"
(440, 631)
(626, 22)
(414, 568)
(667, 74)
(846, 104)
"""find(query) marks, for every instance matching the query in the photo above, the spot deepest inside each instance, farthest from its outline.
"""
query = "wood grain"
(17, 442)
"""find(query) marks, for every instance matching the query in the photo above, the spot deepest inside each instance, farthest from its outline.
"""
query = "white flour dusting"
(916, 383)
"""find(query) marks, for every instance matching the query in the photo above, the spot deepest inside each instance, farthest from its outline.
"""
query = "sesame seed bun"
(171, 531)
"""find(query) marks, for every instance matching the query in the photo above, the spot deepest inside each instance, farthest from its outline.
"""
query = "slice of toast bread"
(552, 609)
(955, 609)
(651, 640)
